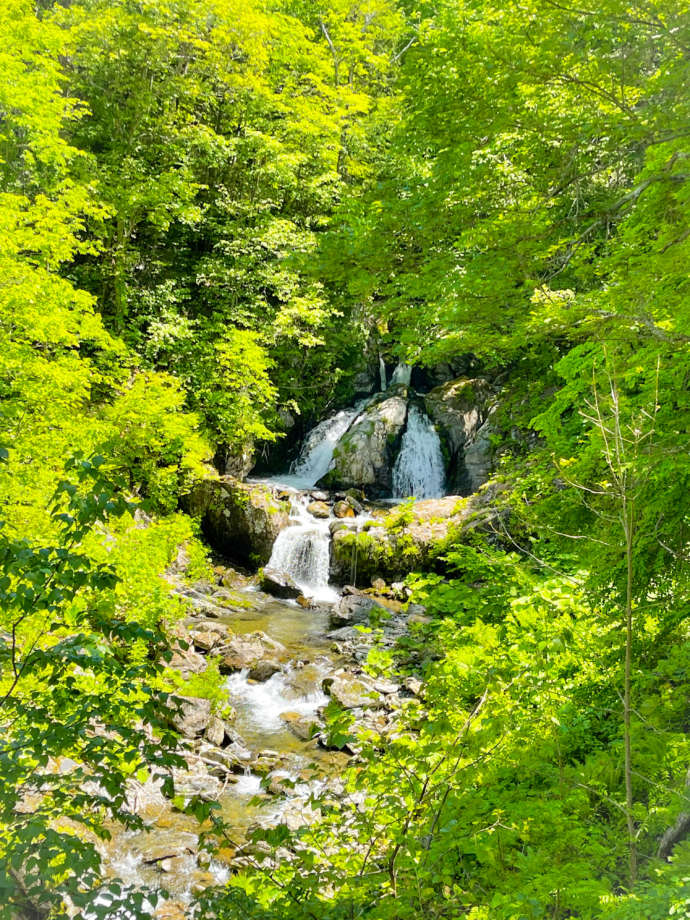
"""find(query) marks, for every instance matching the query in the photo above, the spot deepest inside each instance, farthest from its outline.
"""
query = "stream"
(268, 728)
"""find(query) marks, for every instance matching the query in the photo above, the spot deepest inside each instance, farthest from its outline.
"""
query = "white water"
(317, 451)
(266, 701)
(302, 551)
(382, 373)
(419, 469)
(402, 374)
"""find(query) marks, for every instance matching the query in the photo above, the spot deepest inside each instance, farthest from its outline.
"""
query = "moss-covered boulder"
(240, 520)
(460, 409)
(410, 538)
(363, 458)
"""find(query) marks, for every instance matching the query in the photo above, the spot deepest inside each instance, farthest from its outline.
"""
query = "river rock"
(352, 610)
(248, 650)
(391, 548)
(343, 509)
(208, 636)
(279, 584)
(300, 725)
(187, 661)
(241, 520)
(264, 669)
(215, 731)
(192, 717)
(319, 509)
(351, 692)
(364, 455)
(319, 496)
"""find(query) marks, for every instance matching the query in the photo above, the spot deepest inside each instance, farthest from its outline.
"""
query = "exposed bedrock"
(240, 520)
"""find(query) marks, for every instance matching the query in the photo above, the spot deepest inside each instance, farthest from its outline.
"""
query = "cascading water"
(419, 469)
(382, 373)
(317, 451)
(302, 551)
(401, 374)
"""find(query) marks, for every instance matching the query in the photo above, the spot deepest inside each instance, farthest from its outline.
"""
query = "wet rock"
(390, 550)
(267, 761)
(378, 584)
(352, 610)
(319, 509)
(318, 496)
(351, 692)
(279, 584)
(343, 524)
(460, 409)
(247, 651)
(193, 716)
(239, 519)
(343, 510)
(301, 726)
(263, 670)
(364, 455)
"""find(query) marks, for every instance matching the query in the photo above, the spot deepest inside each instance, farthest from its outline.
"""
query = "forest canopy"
(217, 216)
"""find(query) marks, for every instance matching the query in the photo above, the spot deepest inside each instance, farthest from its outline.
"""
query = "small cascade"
(317, 451)
(419, 469)
(382, 373)
(401, 374)
(302, 551)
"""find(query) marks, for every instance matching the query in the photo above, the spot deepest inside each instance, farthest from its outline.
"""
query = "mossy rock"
(240, 520)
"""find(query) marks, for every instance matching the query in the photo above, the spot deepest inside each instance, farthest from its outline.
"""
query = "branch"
(677, 831)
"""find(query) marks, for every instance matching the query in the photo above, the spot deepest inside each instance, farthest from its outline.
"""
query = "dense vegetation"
(215, 214)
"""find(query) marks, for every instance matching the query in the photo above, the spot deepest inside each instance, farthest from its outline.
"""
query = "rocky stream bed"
(262, 753)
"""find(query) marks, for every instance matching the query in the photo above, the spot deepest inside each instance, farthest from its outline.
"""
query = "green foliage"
(75, 696)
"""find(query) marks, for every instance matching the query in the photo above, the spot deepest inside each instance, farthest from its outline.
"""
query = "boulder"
(240, 520)
(351, 692)
(392, 546)
(343, 509)
(319, 496)
(460, 408)
(319, 509)
(364, 456)
(208, 636)
(215, 731)
(192, 717)
(264, 669)
(353, 610)
(301, 726)
(245, 652)
(279, 584)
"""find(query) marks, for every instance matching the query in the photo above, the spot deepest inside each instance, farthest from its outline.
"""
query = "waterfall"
(382, 373)
(419, 469)
(302, 551)
(402, 374)
(317, 451)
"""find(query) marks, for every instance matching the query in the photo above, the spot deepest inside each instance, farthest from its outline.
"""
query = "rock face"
(460, 409)
(240, 520)
(364, 456)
